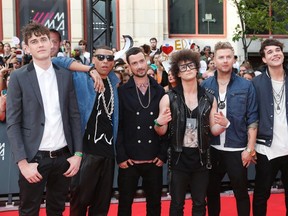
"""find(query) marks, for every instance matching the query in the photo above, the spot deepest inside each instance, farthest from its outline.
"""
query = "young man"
(92, 186)
(139, 151)
(233, 150)
(272, 139)
(43, 127)
(153, 47)
(193, 116)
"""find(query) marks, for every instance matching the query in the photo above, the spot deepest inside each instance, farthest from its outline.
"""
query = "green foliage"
(255, 19)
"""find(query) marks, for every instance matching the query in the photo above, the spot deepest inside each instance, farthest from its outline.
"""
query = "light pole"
(208, 18)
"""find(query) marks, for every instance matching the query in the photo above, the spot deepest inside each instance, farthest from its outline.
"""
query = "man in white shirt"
(43, 126)
(272, 140)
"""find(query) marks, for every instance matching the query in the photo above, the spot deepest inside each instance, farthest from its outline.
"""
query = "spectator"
(83, 45)
(55, 38)
(79, 57)
(153, 46)
(249, 75)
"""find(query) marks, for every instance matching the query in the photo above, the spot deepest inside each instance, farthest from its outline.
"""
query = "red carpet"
(276, 207)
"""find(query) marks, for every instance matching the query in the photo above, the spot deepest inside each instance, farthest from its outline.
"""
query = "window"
(196, 17)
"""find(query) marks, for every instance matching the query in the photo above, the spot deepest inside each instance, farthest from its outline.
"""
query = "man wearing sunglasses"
(138, 147)
(91, 189)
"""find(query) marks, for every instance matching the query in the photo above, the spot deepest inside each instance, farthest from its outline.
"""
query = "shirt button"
(151, 113)
(138, 127)
(150, 127)
(137, 113)
(139, 141)
(149, 141)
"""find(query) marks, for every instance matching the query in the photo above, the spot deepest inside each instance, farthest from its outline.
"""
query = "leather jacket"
(178, 124)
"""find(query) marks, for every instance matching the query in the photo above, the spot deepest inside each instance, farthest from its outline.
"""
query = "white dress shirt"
(53, 136)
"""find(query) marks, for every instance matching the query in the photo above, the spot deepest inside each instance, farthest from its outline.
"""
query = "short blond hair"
(223, 45)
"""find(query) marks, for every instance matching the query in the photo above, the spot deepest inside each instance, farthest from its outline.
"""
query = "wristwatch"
(251, 152)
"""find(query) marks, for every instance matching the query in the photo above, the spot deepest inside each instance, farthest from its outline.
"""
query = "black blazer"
(137, 138)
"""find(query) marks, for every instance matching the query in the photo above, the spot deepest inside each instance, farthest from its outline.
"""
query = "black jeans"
(152, 185)
(266, 172)
(57, 187)
(231, 163)
(92, 186)
(198, 182)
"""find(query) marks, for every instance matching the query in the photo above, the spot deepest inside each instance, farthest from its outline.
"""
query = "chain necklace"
(149, 99)
(111, 101)
(221, 104)
(278, 97)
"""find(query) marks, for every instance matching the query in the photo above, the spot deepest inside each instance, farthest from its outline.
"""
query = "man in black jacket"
(272, 140)
(138, 148)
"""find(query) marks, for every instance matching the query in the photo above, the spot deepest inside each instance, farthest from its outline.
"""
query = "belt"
(53, 154)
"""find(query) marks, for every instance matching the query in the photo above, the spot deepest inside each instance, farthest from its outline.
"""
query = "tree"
(258, 17)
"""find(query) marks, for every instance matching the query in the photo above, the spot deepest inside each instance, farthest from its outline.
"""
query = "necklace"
(149, 99)
(278, 97)
(223, 83)
(111, 101)
(221, 104)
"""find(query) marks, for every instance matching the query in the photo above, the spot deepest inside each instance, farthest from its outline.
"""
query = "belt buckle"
(50, 155)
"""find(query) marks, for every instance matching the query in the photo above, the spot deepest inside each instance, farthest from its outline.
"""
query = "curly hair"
(36, 29)
(185, 55)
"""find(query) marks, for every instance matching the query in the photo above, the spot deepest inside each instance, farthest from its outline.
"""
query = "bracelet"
(157, 124)
(91, 68)
(79, 154)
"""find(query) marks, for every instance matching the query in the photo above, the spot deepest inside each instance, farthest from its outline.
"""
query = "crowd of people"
(71, 114)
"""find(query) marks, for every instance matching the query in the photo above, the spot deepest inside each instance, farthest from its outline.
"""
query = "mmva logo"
(2, 151)
(51, 20)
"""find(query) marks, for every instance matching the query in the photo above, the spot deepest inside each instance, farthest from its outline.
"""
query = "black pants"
(266, 172)
(57, 187)
(92, 186)
(198, 182)
(152, 185)
(231, 163)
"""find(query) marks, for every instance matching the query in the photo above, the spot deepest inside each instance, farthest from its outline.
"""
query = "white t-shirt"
(279, 146)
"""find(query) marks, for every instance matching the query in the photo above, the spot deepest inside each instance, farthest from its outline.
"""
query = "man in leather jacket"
(191, 114)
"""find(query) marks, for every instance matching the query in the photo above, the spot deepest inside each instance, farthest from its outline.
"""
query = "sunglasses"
(102, 57)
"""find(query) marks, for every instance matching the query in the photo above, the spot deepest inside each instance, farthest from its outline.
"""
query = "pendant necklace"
(221, 103)
(278, 97)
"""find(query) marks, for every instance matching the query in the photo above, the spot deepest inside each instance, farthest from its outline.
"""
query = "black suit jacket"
(25, 112)
(137, 138)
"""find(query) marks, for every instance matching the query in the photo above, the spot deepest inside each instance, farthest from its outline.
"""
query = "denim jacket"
(86, 94)
(241, 109)
(263, 86)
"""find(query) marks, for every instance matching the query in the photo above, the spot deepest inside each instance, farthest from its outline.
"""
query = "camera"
(10, 65)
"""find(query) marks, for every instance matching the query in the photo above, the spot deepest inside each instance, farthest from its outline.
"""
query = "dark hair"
(153, 38)
(270, 42)
(34, 28)
(83, 42)
(133, 51)
(56, 32)
(146, 49)
(102, 47)
(183, 55)
(119, 62)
